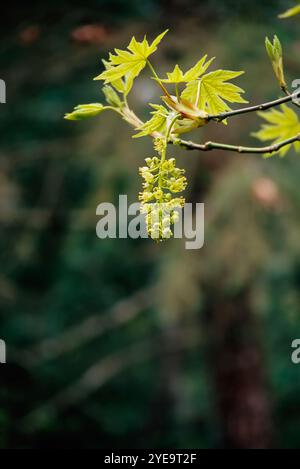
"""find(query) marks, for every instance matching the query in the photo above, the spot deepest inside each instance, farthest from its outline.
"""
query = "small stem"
(235, 148)
(152, 70)
(177, 92)
(171, 126)
(157, 79)
(125, 101)
(115, 109)
(130, 117)
(163, 156)
(259, 107)
(164, 152)
(198, 93)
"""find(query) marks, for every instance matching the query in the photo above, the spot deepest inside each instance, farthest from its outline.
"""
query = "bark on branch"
(208, 146)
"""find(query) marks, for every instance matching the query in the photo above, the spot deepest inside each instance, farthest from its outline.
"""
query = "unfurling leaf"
(177, 76)
(129, 63)
(157, 123)
(274, 51)
(281, 125)
(211, 91)
(83, 111)
(187, 109)
(291, 12)
(190, 117)
(111, 96)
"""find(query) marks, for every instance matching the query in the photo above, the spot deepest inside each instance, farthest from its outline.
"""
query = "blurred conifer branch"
(93, 327)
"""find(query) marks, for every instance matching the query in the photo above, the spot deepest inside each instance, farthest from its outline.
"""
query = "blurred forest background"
(125, 343)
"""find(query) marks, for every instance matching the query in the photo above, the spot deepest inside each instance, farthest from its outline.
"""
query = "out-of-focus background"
(124, 343)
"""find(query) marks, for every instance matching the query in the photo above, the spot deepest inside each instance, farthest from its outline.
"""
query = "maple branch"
(256, 108)
(208, 146)
(189, 145)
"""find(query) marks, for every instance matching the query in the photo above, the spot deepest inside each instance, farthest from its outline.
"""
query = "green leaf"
(177, 76)
(83, 111)
(122, 85)
(157, 123)
(291, 12)
(281, 125)
(187, 109)
(211, 92)
(129, 63)
(198, 69)
(111, 96)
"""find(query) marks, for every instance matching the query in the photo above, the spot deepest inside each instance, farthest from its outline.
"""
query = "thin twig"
(256, 108)
(189, 145)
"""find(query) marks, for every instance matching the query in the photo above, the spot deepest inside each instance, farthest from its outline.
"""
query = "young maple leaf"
(177, 76)
(129, 63)
(281, 125)
(157, 123)
(187, 109)
(191, 117)
(211, 91)
(291, 12)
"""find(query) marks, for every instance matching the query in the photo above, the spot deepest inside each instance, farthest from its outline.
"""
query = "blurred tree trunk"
(241, 393)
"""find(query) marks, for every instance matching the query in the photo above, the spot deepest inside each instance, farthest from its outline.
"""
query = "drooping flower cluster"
(162, 179)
